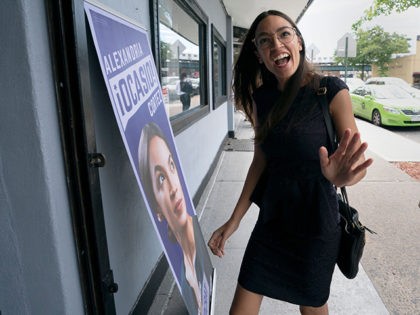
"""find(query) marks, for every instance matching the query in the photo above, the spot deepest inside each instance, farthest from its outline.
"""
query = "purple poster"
(134, 89)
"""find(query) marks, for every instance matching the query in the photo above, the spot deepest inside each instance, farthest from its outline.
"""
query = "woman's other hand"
(347, 165)
(219, 237)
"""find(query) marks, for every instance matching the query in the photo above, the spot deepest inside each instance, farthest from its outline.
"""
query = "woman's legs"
(309, 310)
(245, 302)
(248, 303)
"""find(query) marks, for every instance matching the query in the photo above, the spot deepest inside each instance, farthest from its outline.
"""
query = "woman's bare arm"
(347, 166)
(220, 236)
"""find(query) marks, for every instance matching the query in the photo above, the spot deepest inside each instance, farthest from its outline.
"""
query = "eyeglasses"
(284, 35)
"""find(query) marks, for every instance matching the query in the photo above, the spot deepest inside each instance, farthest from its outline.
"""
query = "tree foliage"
(166, 52)
(385, 7)
(375, 46)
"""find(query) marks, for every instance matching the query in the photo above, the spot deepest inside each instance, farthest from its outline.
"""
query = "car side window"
(359, 91)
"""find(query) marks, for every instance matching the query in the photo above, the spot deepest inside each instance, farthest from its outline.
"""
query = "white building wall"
(38, 265)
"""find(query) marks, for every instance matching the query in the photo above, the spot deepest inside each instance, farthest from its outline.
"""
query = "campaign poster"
(135, 92)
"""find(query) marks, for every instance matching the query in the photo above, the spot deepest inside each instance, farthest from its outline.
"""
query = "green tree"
(165, 52)
(385, 7)
(375, 46)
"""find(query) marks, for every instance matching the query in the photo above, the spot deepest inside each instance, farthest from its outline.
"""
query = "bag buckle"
(322, 91)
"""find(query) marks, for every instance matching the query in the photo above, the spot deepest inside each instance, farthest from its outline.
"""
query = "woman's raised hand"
(346, 166)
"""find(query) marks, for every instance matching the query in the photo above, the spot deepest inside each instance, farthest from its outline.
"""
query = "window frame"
(185, 120)
(218, 39)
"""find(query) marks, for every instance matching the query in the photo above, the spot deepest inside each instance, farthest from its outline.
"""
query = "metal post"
(345, 59)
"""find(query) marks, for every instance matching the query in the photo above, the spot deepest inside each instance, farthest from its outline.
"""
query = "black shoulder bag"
(353, 232)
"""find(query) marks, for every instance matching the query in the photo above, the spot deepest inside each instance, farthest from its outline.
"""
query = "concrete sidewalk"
(357, 296)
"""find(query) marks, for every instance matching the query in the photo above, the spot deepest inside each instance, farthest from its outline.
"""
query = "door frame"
(68, 34)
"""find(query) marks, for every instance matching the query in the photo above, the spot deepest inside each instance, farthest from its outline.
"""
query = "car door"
(368, 103)
(357, 99)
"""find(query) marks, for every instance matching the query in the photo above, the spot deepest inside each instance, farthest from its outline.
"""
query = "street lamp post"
(346, 47)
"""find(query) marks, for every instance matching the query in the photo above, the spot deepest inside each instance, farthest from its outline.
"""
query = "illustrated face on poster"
(135, 92)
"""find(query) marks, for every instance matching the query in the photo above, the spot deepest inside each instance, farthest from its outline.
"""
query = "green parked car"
(386, 105)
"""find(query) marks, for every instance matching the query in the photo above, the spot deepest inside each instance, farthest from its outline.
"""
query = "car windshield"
(388, 91)
(386, 81)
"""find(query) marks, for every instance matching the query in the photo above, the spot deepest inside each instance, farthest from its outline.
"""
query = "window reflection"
(216, 68)
(219, 69)
(179, 58)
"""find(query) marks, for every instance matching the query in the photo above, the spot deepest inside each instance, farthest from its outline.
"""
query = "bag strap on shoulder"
(322, 97)
(322, 100)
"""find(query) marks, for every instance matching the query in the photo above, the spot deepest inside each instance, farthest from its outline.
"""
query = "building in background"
(406, 67)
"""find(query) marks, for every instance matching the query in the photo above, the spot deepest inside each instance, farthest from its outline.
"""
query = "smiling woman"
(293, 248)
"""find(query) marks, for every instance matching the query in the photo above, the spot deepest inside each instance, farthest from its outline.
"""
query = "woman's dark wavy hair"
(148, 132)
(249, 74)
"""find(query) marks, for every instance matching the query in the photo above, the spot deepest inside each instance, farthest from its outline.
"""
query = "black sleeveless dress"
(293, 248)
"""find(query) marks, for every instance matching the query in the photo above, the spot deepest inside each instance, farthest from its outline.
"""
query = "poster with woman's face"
(134, 89)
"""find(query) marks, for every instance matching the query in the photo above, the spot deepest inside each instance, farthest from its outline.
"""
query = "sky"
(326, 21)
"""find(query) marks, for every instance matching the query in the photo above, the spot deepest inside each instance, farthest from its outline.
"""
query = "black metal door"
(69, 46)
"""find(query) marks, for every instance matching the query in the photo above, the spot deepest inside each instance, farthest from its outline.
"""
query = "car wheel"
(376, 118)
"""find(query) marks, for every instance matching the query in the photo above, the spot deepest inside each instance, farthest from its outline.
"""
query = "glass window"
(182, 43)
(359, 91)
(219, 69)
